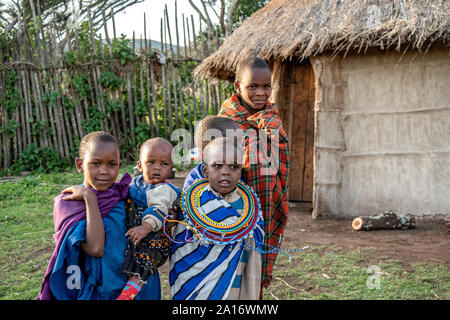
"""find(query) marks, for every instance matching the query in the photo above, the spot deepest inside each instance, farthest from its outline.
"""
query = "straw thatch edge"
(287, 29)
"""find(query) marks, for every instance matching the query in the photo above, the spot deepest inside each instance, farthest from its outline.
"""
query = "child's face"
(156, 163)
(254, 88)
(100, 165)
(223, 174)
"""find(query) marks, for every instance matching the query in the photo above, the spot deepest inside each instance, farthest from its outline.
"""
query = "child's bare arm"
(95, 232)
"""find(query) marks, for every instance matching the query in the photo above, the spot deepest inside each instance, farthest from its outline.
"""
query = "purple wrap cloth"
(67, 213)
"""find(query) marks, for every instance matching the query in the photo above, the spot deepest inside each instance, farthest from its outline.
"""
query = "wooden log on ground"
(387, 220)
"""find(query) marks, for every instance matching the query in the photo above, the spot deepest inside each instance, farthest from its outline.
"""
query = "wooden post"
(190, 44)
(105, 28)
(176, 30)
(163, 80)
(85, 103)
(174, 82)
(59, 107)
(64, 87)
(169, 114)
(122, 112)
(223, 93)
(58, 80)
(15, 116)
(119, 97)
(3, 145)
(115, 119)
(189, 37)
(145, 62)
(36, 76)
(194, 102)
(42, 74)
(31, 92)
(78, 113)
(152, 90)
(184, 38)
(208, 98)
(188, 101)
(205, 49)
(193, 36)
(96, 74)
(134, 85)
(114, 23)
(25, 114)
(130, 108)
(204, 106)
(180, 117)
(142, 91)
(202, 101)
(221, 97)
(215, 103)
(21, 108)
(180, 99)
(50, 88)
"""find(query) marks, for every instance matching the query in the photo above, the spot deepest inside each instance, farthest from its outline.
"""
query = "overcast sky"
(132, 18)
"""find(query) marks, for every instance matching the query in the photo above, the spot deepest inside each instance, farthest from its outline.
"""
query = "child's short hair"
(235, 156)
(153, 140)
(95, 137)
(209, 123)
(250, 63)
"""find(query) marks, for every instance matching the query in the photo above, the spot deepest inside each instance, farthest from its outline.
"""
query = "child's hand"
(172, 215)
(78, 193)
(138, 233)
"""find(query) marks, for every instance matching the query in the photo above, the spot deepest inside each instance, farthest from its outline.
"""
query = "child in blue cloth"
(90, 229)
(216, 270)
(207, 130)
(151, 199)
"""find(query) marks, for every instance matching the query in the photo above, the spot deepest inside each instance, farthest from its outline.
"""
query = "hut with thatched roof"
(363, 89)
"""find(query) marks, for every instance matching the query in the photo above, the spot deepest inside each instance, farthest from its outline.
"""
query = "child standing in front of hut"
(207, 130)
(220, 259)
(251, 109)
(151, 199)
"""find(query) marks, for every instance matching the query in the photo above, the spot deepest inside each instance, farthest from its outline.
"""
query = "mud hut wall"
(328, 139)
(383, 133)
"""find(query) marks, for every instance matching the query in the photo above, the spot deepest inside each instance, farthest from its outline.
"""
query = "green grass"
(331, 273)
(320, 272)
(26, 229)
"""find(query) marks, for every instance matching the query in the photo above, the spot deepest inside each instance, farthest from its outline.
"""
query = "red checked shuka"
(269, 181)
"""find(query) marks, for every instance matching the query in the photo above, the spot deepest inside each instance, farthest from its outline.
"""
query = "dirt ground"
(428, 242)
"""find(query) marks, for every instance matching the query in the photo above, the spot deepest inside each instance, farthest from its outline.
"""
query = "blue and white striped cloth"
(207, 272)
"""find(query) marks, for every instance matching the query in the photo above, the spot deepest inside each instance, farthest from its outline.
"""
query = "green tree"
(245, 9)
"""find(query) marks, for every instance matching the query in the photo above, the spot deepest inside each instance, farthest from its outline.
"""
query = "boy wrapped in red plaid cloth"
(266, 161)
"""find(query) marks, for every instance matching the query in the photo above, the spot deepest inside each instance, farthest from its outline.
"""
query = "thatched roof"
(302, 28)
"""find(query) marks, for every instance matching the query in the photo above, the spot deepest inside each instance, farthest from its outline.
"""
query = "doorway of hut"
(294, 91)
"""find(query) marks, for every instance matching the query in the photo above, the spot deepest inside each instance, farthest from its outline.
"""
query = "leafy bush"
(35, 158)
(122, 50)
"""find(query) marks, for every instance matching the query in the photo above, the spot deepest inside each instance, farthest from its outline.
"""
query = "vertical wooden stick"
(172, 82)
(153, 91)
(163, 79)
